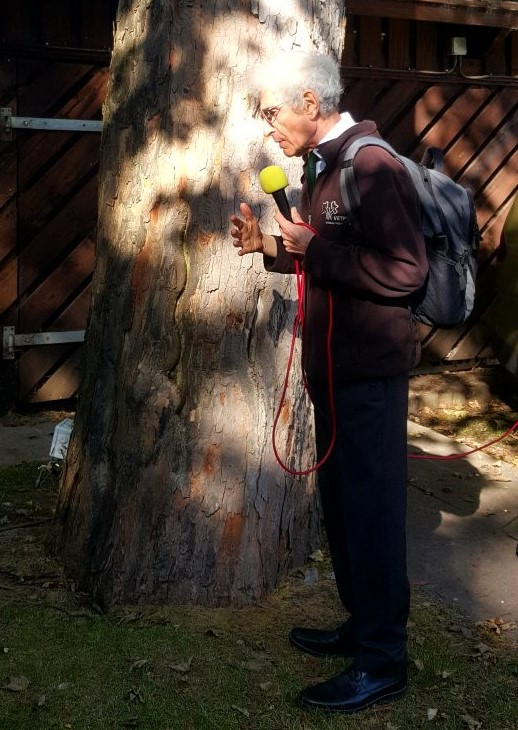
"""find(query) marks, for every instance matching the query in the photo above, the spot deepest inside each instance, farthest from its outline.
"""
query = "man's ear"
(311, 103)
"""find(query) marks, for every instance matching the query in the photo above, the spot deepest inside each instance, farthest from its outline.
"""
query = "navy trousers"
(363, 491)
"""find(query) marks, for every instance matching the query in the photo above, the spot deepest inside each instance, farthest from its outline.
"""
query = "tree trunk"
(170, 490)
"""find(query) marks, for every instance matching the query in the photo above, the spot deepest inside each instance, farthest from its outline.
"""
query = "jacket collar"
(330, 150)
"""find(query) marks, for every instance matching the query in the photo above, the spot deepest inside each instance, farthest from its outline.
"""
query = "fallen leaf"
(241, 710)
(139, 664)
(419, 665)
(212, 632)
(40, 701)
(270, 688)
(63, 686)
(471, 723)
(390, 726)
(485, 654)
(17, 684)
(317, 556)
(134, 695)
(258, 666)
(431, 714)
(496, 624)
(483, 648)
(182, 667)
(445, 674)
(311, 576)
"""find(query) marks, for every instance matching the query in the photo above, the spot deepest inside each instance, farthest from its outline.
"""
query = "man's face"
(293, 130)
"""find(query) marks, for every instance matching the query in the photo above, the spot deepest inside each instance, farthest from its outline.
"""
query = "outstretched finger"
(246, 211)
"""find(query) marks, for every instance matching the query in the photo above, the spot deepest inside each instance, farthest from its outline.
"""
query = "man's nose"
(267, 129)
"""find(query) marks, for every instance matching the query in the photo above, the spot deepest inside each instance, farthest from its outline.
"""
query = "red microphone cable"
(464, 454)
(299, 324)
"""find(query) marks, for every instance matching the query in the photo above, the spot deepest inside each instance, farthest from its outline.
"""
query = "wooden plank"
(362, 96)
(20, 21)
(8, 286)
(514, 53)
(43, 84)
(61, 384)
(396, 102)
(398, 43)
(370, 42)
(38, 149)
(426, 47)
(406, 135)
(452, 122)
(8, 173)
(37, 363)
(500, 166)
(8, 229)
(57, 26)
(62, 23)
(35, 368)
(8, 71)
(474, 344)
(73, 223)
(496, 191)
(498, 13)
(492, 232)
(495, 61)
(96, 22)
(38, 310)
(350, 54)
(39, 201)
(480, 127)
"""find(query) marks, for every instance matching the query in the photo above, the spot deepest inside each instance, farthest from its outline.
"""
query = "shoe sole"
(383, 700)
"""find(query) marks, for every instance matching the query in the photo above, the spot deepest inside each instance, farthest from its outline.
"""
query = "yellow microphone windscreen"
(272, 179)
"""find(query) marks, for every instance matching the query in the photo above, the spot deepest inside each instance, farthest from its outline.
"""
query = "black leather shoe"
(319, 642)
(354, 690)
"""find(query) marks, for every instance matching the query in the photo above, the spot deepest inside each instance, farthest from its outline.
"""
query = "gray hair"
(290, 73)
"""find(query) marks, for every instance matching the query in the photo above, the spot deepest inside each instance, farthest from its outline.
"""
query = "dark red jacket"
(371, 276)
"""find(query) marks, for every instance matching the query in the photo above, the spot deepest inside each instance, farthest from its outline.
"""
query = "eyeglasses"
(270, 113)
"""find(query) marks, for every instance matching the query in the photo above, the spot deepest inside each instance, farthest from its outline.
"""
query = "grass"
(190, 668)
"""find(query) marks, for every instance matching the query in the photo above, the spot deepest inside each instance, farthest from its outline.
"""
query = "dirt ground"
(474, 406)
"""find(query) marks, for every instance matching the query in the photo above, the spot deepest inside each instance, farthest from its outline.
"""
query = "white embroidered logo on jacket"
(330, 209)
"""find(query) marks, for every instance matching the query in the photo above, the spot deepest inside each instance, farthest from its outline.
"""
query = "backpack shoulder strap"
(348, 186)
(433, 158)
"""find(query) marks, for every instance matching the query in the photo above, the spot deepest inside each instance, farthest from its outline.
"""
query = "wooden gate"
(48, 189)
(404, 74)
(404, 67)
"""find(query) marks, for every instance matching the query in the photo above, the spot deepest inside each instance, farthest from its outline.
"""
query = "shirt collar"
(344, 123)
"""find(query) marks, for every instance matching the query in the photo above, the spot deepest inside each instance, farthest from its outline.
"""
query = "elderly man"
(363, 279)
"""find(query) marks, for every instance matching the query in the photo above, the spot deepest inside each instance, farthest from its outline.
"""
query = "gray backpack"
(450, 232)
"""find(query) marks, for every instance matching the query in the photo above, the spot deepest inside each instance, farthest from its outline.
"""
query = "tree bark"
(171, 492)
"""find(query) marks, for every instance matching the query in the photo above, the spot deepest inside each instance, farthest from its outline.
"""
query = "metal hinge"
(11, 340)
(8, 123)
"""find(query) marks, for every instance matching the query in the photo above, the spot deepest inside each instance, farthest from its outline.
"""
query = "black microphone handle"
(282, 203)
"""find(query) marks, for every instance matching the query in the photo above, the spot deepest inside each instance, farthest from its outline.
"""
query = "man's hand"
(247, 234)
(295, 237)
